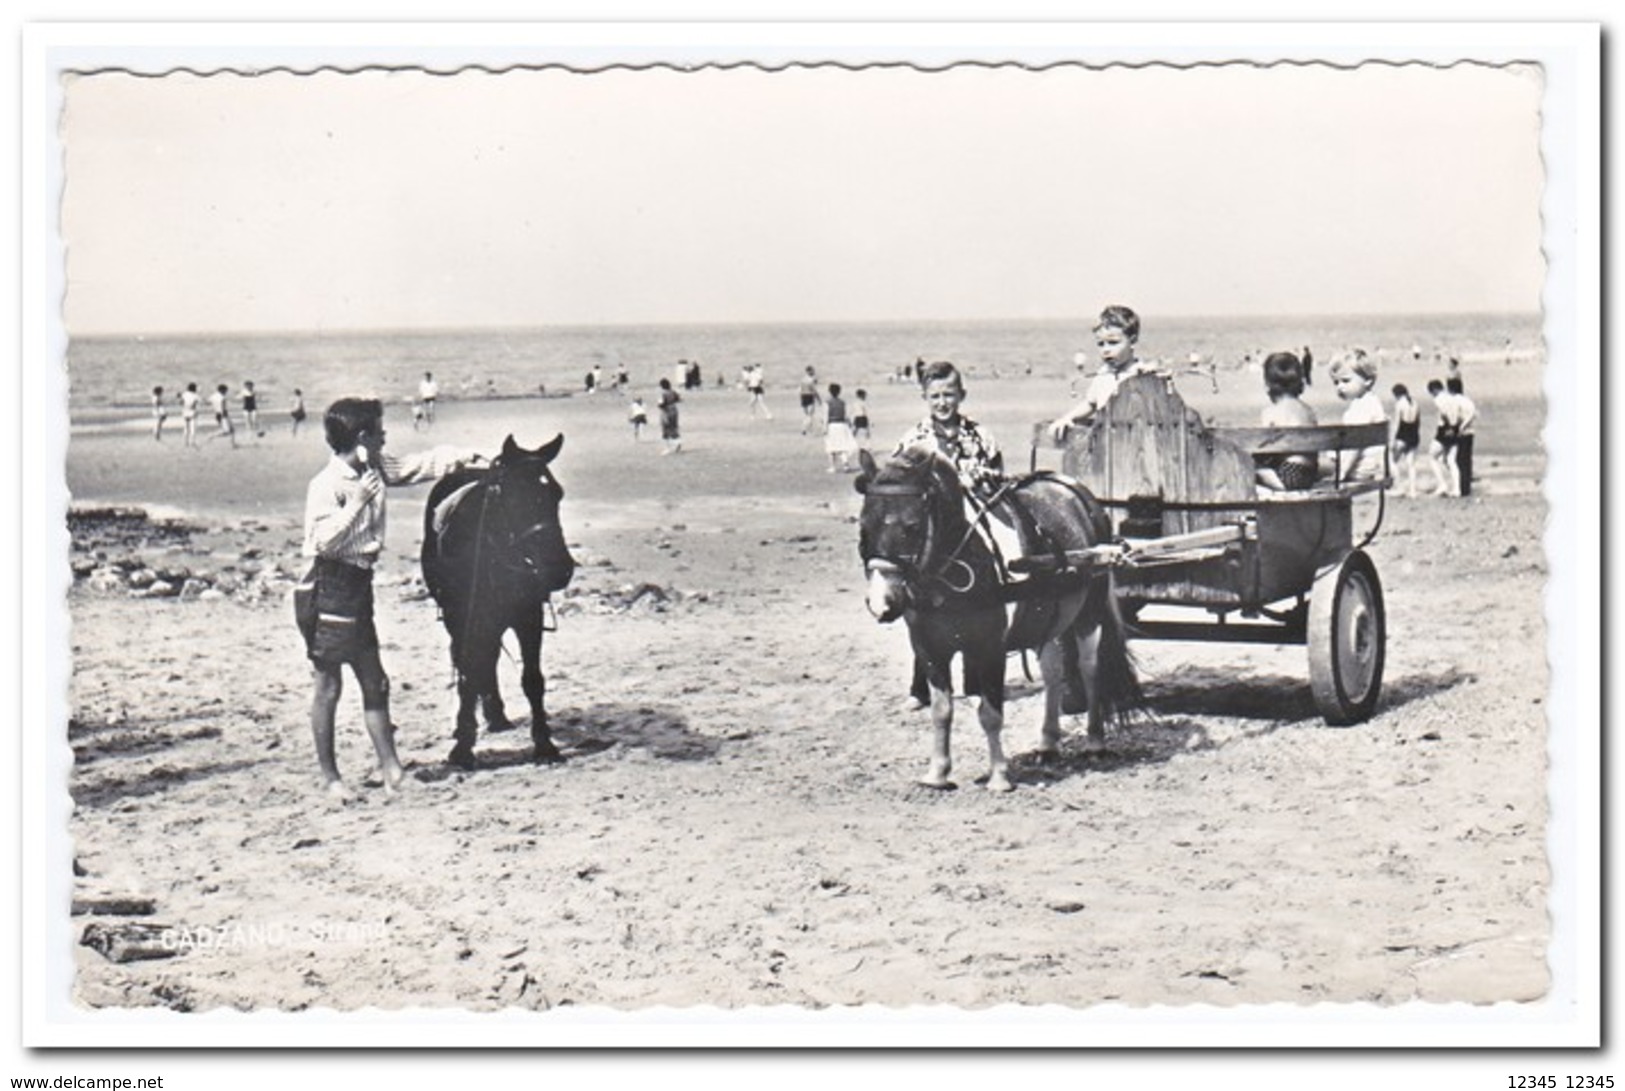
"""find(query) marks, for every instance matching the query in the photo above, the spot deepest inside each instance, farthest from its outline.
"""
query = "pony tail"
(1115, 666)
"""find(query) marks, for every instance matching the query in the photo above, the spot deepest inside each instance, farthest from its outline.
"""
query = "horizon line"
(444, 328)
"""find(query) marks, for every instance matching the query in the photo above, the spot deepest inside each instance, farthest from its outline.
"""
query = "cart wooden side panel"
(1297, 540)
(1147, 442)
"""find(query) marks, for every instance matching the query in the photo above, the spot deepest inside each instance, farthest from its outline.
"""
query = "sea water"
(112, 377)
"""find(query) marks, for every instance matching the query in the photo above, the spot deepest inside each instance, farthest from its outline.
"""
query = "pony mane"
(911, 463)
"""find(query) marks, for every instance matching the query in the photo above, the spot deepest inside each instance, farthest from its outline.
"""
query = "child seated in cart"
(1284, 382)
(1356, 382)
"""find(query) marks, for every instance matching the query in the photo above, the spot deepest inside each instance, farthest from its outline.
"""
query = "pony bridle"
(911, 570)
(516, 539)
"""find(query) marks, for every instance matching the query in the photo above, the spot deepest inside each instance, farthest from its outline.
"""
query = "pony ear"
(550, 450)
(509, 446)
(866, 471)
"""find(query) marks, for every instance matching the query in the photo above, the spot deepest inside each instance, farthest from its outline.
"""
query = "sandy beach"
(737, 823)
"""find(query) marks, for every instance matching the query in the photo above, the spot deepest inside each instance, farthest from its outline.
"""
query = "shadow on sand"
(582, 732)
(1173, 721)
(116, 789)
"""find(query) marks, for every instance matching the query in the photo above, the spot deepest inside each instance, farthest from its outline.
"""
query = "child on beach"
(1442, 451)
(333, 604)
(838, 441)
(160, 413)
(1116, 334)
(251, 409)
(428, 394)
(966, 444)
(1283, 382)
(809, 399)
(670, 434)
(974, 455)
(1355, 382)
(1407, 435)
(638, 415)
(189, 402)
(758, 392)
(419, 421)
(220, 401)
(297, 412)
(860, 414)
(1466, 418)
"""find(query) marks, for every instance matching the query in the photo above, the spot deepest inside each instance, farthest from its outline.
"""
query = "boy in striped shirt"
(333, 605)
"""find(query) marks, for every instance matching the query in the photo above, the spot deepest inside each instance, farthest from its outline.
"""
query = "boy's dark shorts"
(332, 606)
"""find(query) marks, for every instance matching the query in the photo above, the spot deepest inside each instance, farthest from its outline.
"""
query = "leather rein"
(526, 567)
(492, 488)
(914, 569)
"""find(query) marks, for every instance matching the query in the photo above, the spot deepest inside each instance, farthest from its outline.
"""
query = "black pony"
(493, 551)
(927, 562)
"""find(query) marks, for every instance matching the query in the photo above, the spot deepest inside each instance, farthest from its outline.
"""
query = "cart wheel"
(1347, 636)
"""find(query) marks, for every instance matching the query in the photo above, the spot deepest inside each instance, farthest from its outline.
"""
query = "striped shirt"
(342, 526)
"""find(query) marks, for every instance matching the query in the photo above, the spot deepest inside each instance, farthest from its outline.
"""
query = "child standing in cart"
(1116, 335)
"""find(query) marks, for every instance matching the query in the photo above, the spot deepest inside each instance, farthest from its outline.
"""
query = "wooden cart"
(1195, 531)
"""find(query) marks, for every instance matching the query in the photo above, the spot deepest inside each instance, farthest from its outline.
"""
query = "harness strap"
(448, 504)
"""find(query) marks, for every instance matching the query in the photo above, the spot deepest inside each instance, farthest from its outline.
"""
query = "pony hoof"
(496, 727)
(462, 759)
(1047, 756)
(548, 755)
(1000, 783)
(938, 785)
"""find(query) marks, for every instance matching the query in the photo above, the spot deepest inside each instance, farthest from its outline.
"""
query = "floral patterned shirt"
(971, 449)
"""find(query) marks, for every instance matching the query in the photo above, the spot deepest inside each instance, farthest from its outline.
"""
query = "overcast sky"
(381, 200)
